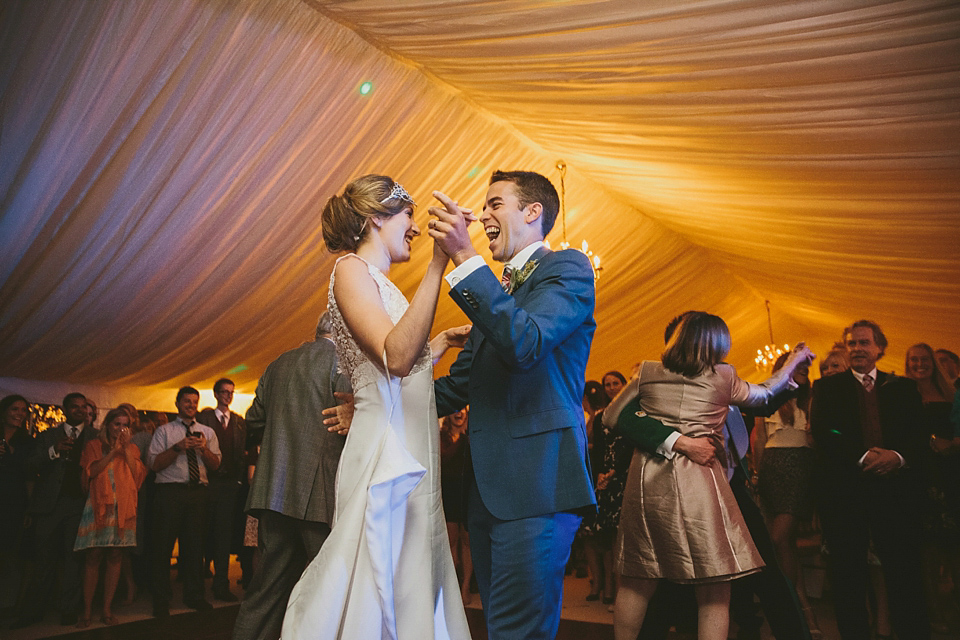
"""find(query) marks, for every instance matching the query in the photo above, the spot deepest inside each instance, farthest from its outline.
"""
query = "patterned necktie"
(225, 420)
(868, 382)
(73, 433)
(505, 278)
(192, 463)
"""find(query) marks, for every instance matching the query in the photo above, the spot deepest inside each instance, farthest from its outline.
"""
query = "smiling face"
(506, 223)
(612, 386)
(832, 365)
(397, 233)
(224, 394)
(76, 411)
(187, 405)
(919, 364)
(864, 351)
(16, 414)
(801, 375)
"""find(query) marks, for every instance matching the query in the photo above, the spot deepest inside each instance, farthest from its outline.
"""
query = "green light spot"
(473, 172)
(366, 88)
(237, 369)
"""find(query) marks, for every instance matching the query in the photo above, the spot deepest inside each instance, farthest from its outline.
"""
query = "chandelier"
(769, 353)
(584, 247)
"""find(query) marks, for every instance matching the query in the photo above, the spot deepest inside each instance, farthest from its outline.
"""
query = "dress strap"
(393, 397)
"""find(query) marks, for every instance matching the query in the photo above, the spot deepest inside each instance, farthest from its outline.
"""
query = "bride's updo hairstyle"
(346, 218)
(700, 341)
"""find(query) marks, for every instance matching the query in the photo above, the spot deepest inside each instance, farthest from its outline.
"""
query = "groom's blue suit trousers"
(519, 565)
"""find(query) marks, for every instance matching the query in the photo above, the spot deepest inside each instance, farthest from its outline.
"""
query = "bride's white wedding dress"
(385, 571)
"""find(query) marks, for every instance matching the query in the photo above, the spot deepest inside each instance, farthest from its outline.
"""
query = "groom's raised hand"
(449, 229)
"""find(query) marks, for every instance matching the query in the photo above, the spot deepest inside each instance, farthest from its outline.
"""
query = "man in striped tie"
(868, 427)
(181, 453)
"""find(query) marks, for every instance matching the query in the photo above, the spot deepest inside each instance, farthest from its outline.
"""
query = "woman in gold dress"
(680, 520)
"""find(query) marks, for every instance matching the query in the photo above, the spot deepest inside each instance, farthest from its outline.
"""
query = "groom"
(522, 372)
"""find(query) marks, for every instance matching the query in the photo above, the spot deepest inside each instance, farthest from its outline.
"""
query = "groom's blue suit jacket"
(522, 373)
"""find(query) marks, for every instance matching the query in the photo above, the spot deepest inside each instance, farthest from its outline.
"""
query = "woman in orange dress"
(113, 472)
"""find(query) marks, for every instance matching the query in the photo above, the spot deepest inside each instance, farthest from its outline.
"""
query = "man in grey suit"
(293, 488)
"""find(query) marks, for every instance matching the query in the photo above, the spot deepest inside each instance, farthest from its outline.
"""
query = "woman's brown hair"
(700, 341)
(346, 217)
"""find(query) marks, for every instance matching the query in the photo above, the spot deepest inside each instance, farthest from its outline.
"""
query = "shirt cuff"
(903, 462)
(54, 454)
(666, 447)
(466, 267)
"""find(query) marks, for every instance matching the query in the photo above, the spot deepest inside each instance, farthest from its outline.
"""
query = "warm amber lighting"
(768, 355)
(584, 248)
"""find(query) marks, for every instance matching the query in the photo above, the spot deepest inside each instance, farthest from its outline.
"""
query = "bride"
(386, 570)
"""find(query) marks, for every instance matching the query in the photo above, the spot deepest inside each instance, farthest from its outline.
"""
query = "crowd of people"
(886, 496)
(356, 495)
(79, 496)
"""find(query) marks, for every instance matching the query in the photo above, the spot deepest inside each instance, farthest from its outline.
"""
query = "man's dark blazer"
(522, 372)
(837, 432)
(857, 506)
(237, 467)
(49, 473)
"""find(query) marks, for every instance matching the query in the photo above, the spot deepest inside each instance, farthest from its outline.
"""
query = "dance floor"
(582, 620)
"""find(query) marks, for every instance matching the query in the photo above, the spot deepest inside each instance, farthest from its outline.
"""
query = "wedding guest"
(135, 568)
(610, 476)
(594, 400)
(223, 495)
(785, 461)
(941, 466)
(93, 414)
(113, 472)
(836, 361)
(454, 465)
(16, 445)
(949, 364)
(864, 425)
(55, 506)
(181, 453)
(690, 389)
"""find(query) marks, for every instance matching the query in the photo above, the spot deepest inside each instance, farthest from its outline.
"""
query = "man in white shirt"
(181, 453)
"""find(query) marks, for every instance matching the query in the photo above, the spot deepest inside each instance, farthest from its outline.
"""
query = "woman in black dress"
(16, 444)
(942, 475)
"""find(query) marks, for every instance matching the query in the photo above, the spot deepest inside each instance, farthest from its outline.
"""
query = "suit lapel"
(537, 256)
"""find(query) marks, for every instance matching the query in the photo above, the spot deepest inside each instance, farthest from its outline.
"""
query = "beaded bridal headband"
(398, 192)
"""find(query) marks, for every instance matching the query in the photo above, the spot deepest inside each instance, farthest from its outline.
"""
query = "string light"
(584, 247)
(768, 354)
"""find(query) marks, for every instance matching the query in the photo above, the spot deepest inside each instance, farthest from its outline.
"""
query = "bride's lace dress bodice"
(352, 360)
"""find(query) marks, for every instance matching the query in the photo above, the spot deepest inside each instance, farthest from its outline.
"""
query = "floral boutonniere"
(520, 277)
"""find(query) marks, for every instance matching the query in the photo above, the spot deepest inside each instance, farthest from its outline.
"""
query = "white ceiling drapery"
(163, 166)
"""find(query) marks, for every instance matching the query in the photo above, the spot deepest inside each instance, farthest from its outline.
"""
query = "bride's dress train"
(386, 570)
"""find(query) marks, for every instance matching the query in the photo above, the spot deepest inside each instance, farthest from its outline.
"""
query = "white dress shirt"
(472, 264)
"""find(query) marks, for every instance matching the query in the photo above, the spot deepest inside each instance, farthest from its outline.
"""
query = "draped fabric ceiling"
(163, 166)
